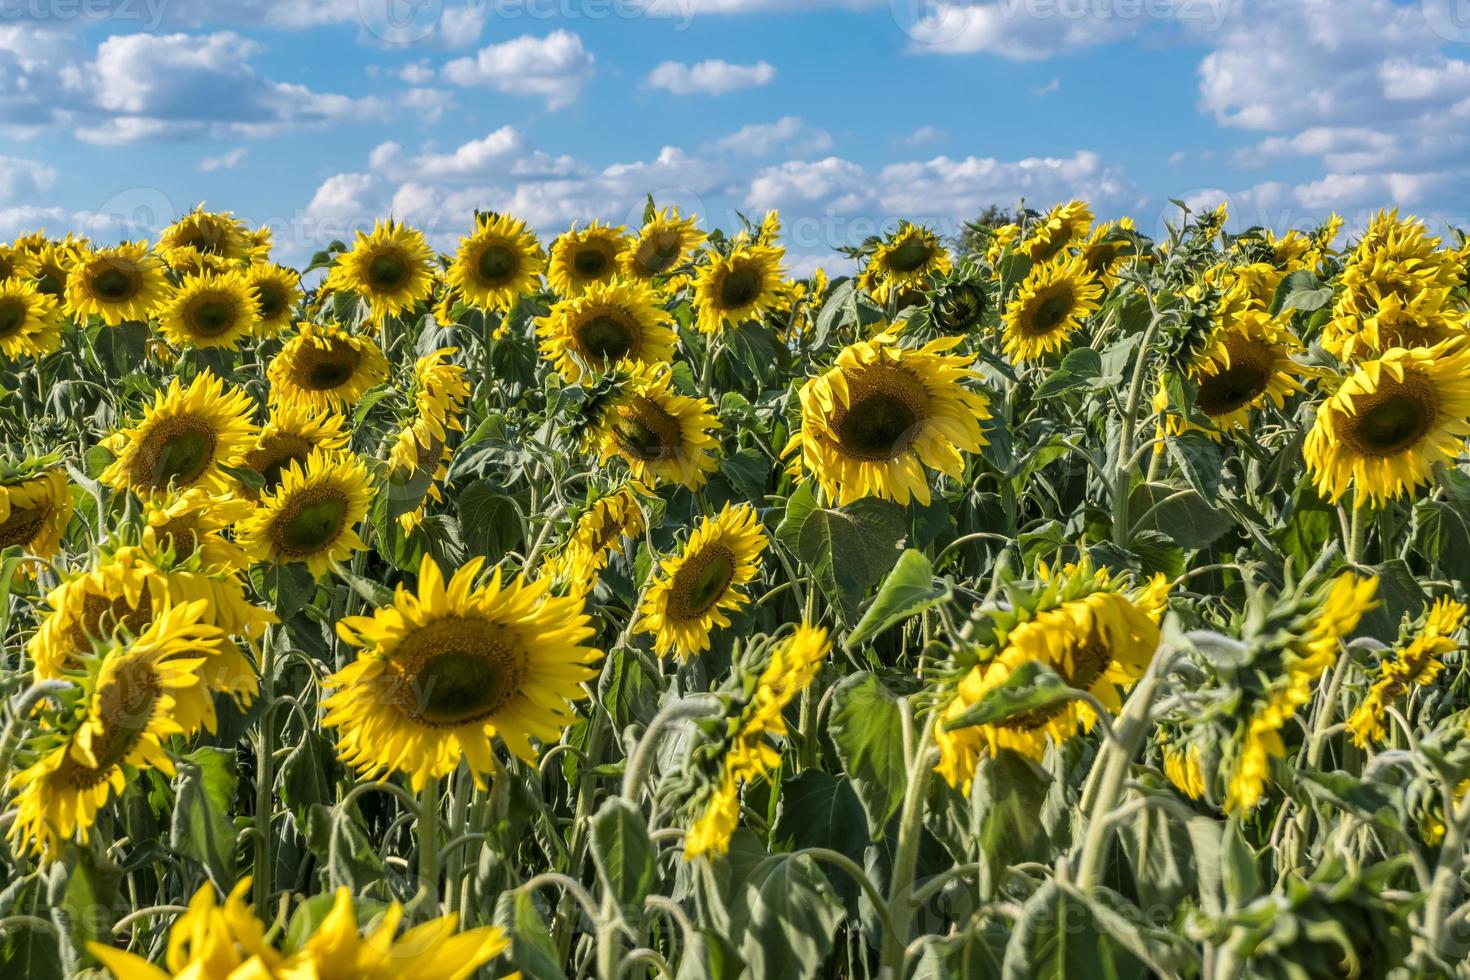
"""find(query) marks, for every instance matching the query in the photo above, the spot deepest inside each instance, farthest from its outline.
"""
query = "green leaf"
(1399, 595)
(1033, 686)
(867, 730)
(846, 551)
(908, 590)
(202, 827)
(490, 523)
(287, 586)
(1006, 801)
(1058, 938)
(978, 951)
(1080, 369)
(1373, 803)
(1188, 519)
(532, 950)
(792, 919)
(309, 772)
(819, 810)
(92, 893)
(623, 854)
(709, 956)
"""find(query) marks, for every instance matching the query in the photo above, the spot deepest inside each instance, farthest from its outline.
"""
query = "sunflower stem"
(1116, 757)
(428, 841)
(1354, 543)
(905, 859)
(265, 777)
(1122, 531)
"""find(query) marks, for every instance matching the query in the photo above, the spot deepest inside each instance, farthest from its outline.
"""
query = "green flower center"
(740, 287)
(387, 272)
(590, 263)
(12, 316)
(498, 264)
(211, 316)
(177, 451)
(606, 339)
(115, 285)
(456, 670)
(311, 522)
(701, 582)
(910, 255)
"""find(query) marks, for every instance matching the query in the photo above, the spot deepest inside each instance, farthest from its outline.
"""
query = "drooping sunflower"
(289, 436)
(661, 245)
(599, 534)
(35, 508)
(1094, 631)
(498, 263)
(1052, 302)
(581, 257)
(313, 515)
(904, 260)
(1402, 670)
(51, 265)
(1063, 225)
(193, 522)
(422, 444)
(695, 590)
(604, 325)
(660, 434)
(1246, 363)
(1383, 431)
(441, 673)
(135, 693)
(185, 438)
(210, 310)
(1430, 318)
(391, 268)
(218, 234)
(277, 295)
(1105, 249)
(794, 664)
(872, 424)
(121, 285)
(30, 320)
(325, 368)
(744, 285)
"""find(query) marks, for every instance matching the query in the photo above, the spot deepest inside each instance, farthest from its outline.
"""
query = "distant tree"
(975, 237)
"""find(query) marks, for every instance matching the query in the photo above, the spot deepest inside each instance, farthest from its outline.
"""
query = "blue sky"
(317, 115)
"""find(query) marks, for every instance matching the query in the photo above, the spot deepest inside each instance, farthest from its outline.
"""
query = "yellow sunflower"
(440, 674)
(277, 295)
(218, 234)
(660, 434)
(193, 522)
(51, 266)
(735, 288)
(598, 535)
(312, 516)
(1405, 669)
(186, 438)
(1428, 319)
(422, 445)
(498, 263)
(325, 368)
(136, 693)
(1246, 364)
(210, 310)
(872, 423)
(120, 285)
(794, 664)
(582, 257)
(1063, 225)
(903, 261)
(1052, 302)
(35, 509)
(391, 268)
(289, 436)
(30, 320)
(1096, 634)
(694, 591)
(662, 245)
(1384, 430)
(208, 941)
(604, 325)
(1105, 249)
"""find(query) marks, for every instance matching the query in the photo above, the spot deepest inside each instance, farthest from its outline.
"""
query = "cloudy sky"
(317, 115)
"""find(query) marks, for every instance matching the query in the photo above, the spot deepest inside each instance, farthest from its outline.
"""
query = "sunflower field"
(1058, 601)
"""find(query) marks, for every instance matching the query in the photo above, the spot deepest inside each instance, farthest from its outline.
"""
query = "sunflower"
(794, 664)
(903, 261)
(187, 437)
(598, 535)
(1244, 365)
(662, 245)
(311, 517)
(443, 672)
(35, 508)
(51, 265)
(422, 445)
(498, 263)
(192, 522)
(1384, 430)
(580, 258)
(744, 285)
(1105, 249)
(882, 414)
(207, 941)
(135, 693)
(277, 295)
(30, 321)
(1096, 634)
(325, 368)
(15, 263)
(217, 234)
(1428, 319)
(694, 591)
(1052, 302)
(1063, 225)
(121, 285)
(392, 269)
(604, 325)
(1403, 670)
(210, 310)
(289, 436)
(661, 435)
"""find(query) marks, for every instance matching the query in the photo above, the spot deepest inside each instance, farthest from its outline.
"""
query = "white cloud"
(833, 185)
(472, 158)
(224, 161)
(1054, 85)
(923, 136)
(21, 179)
(713, 77)
(1032, 30)
(553, 68)
(761, 139)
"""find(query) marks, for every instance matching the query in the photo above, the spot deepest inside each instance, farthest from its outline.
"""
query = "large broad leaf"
(1399, 595)
(846, 551)
(791, 920)
(709, 956)
(1081, 369)
(867, 730)
(489, 523)
(1032, 686)
(623, 854)
(1058, 938)
(532, 950)
(90, 893)
(1006, 800)
(908, 590)
(818, 810)
(1188, 519)
(978, 951)
(202, 827)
